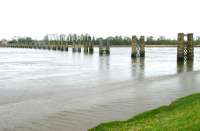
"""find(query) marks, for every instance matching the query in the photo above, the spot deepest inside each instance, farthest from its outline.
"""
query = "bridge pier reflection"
(185, 66)
(139, 67)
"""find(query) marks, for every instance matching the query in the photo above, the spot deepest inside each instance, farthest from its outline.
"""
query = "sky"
(100, 18)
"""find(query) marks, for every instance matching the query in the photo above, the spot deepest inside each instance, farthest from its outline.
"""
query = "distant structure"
(138, 47)
(185, 49)
(4, 42)
(104, 47)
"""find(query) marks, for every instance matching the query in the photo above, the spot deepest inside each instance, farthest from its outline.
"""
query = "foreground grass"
(182, 114)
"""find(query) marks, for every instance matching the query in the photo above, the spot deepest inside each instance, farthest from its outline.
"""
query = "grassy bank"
(182, 114)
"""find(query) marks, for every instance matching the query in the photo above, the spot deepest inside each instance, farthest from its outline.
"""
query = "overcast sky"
(36, 18)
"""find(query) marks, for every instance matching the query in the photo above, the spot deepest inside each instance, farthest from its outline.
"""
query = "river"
(43, 90)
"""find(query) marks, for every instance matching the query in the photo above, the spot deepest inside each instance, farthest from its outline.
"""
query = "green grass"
(181, 115)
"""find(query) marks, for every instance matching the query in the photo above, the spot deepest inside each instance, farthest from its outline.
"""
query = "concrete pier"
(107, 47)
(79, 46)
(142, 46)
(104, 49)
(190, 48)
(67, 43)
(185, 49)
(180, 47)
(91, 47)
(134, 47)
(74, 46)
(85, 47)
(100, 46)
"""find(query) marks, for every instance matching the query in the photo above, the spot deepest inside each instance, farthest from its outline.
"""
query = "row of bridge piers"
(185, 49)
(104, 47)
(88, 47)
(60, 47)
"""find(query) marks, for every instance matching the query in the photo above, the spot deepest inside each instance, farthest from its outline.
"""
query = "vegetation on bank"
(182, 114)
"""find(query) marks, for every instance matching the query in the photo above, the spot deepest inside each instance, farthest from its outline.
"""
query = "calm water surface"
(28, 68)
(53, 90)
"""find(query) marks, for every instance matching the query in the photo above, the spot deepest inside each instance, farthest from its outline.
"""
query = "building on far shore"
(3, 42)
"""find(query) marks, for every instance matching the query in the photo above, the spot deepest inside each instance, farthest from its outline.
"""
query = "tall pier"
(134, 47)
(185, 49)
(138, 47)
(190, 48)
(142, 46)
(180, 47)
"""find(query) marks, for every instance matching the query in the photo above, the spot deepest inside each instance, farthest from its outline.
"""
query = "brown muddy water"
(44, 90)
